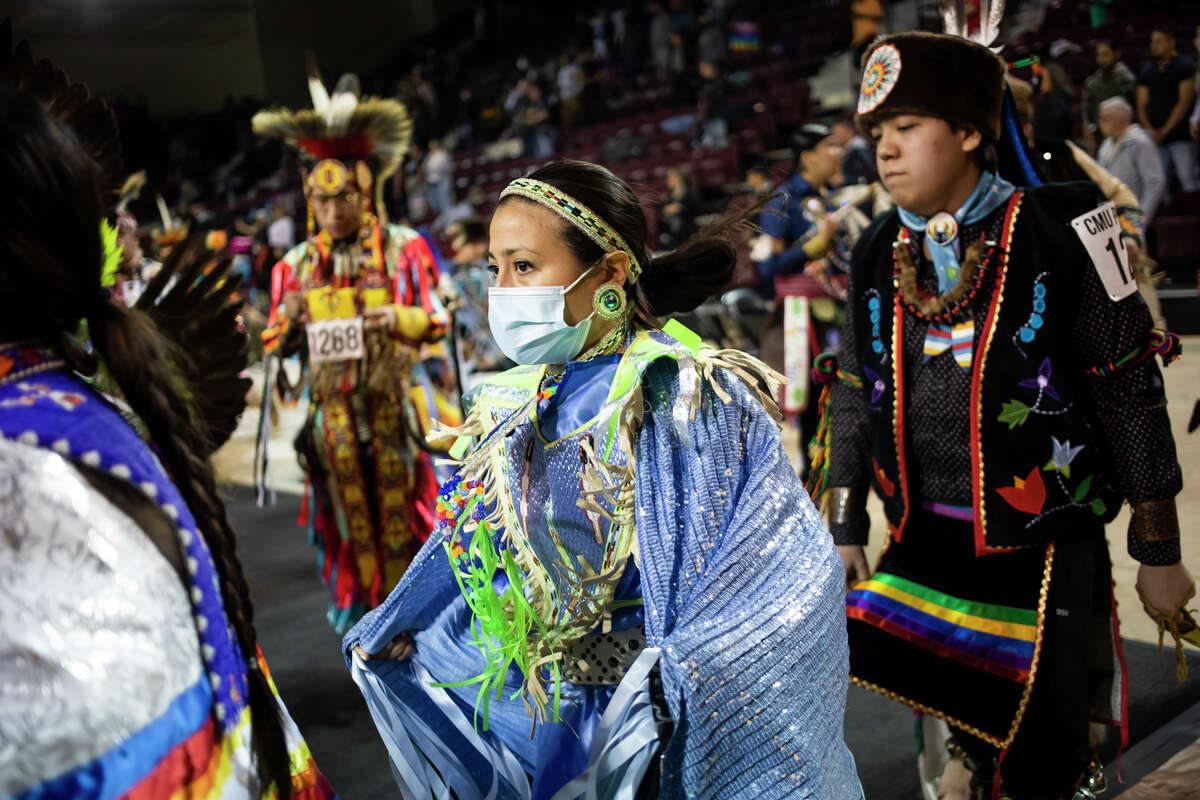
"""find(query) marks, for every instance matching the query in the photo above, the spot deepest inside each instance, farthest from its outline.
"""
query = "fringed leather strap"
(1179, 629)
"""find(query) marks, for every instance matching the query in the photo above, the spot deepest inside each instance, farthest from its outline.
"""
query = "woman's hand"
(854, 559)
(1165, 589)
(398, 649)
(380, 318)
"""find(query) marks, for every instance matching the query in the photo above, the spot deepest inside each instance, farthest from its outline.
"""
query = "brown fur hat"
(934, 75)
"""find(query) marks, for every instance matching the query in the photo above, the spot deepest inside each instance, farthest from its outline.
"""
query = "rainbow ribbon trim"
(960, 340)
(996, 639)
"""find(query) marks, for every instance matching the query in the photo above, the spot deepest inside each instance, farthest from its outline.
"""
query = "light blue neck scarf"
(990, 194)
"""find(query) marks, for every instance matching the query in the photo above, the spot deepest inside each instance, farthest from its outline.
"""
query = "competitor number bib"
(335, 340)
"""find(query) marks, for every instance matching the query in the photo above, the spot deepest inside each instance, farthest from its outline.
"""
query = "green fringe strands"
(112, 255)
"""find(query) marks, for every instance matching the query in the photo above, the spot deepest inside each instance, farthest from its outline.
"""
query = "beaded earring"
(609, 301)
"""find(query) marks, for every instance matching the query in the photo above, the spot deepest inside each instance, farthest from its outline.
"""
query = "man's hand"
(854, 559)
(1194, 127)
(399, 649)
(380, 318)
(1156, 134)
(1165, 589)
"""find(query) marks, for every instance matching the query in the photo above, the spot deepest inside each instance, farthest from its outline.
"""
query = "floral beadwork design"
(1029, 331)
(879, 77)
(878, 387)
(875, 314)
(1061, 456)
(1015, 413)
(457, 502)
(1029, 494)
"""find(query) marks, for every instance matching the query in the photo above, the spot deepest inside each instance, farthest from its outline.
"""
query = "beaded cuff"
(1155, 521)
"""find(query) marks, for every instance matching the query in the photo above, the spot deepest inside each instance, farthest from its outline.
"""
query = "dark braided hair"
(50, 261)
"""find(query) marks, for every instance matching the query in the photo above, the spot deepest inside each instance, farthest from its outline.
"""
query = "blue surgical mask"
(528, 323)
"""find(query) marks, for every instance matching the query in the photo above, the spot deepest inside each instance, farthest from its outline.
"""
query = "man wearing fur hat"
(358, 297)
(996, 386)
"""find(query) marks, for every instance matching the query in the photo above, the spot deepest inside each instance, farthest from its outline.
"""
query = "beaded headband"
(578, 215)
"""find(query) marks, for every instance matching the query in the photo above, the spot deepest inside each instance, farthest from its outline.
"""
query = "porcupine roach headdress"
(189, 302)
(340, 132)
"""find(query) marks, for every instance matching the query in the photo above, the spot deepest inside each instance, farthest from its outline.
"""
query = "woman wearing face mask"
(625, 565)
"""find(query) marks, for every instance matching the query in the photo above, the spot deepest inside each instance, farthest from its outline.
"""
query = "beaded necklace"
(981, 258)
(613, 341)
(954, 304)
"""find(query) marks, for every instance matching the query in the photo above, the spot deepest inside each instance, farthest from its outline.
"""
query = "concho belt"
(603, 659)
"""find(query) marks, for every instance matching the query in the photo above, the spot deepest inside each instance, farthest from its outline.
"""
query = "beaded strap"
(578, 215)
(20, 360)
(826, 372)
(1164, 343)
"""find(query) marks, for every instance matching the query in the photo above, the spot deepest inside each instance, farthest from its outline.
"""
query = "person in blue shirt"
(802, 266)
(798, 235)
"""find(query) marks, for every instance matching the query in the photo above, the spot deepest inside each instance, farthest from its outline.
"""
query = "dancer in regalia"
(625, 565)
(997, 386)
(364, 293)
(129, 665)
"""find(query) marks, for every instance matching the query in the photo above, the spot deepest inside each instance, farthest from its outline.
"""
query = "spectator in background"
(1054, 117)
(798, 235)
(1130, 154)
(679, 212)
(660, 41)
(712, 128)
(711, 44)
(467, 115)
(530, 122)
(477, 350)
(1111, 79)
(866, 21)
(463, 209)
(439, 177)
(1194, 124)
(758, 179)
(1165, 91)
(281, 233)
(858, 160)
(601, 31)
(570, 84)
(1098, 12)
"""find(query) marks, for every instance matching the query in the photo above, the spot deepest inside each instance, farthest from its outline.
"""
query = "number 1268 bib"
(335, 340)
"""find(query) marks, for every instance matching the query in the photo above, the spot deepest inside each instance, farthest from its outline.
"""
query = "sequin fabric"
(1127, 411)
(96, 635)
(743, 593)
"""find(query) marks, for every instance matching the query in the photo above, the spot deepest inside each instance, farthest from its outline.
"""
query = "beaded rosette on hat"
(579, 215)
(340, 132)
